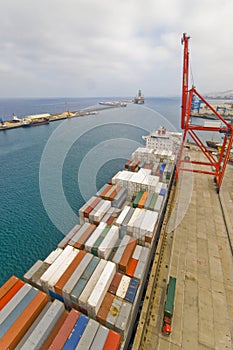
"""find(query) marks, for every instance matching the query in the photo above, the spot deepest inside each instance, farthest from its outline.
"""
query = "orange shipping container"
(81, 241)
(108, 188)
(131, 267)
(23, 322)
(69, 271)
(65, 330)
(113, 341)
(110, 220)
(128, 252)
(11, 292)
(143, 199)
(55, 330)
(115, 283)
(105, 307)
(8, 285)
(91, 207)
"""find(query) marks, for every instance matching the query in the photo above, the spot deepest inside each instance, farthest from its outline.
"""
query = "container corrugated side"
(73, 280)
(62, 269)
(88, 335)
(109, 242)
(65, 330)
(68, 237)
(95, 235)
(24, 321)
(53, 256)
(52, 268)
(100, 289)
(82, 301)
(45, 326)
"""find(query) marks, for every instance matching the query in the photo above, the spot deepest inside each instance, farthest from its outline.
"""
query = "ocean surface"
(49, 171)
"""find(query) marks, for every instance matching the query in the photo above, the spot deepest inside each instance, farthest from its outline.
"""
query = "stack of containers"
(138, 262)
(96, 214)
(147, 228)
(85, 210)
(122, 178)
(82, 235)
(115, 194)
(30, 321)
(33, 275)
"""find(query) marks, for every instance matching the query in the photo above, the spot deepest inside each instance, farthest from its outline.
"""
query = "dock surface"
(195, 247)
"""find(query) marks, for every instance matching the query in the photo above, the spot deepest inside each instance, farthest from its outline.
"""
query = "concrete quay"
(196, 248)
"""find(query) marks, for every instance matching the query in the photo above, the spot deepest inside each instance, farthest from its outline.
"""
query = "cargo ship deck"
(195, 247)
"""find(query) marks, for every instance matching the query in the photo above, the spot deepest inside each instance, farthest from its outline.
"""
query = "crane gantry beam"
(217, 165)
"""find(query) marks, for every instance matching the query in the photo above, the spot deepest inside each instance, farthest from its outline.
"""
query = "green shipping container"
(94, 249)
(153, 201)
(137, 199)
(168, 311)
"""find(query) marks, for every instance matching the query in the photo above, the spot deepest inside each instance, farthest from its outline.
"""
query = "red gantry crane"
(213, 165)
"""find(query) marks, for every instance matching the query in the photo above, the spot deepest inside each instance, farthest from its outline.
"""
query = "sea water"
(48, 172)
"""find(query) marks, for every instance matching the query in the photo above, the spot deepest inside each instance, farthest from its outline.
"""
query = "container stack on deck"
(88, 290)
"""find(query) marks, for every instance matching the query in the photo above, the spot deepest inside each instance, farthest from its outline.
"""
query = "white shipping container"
(52, 268)
(144, 255)
(45, 326)
(94, 236)
(123, 319)
(137, 252)
(134, 217)
(62, 268)
(28, 275)
(100, 289)
(122, 215)
(123, 287)
(53, 256)
(108, 243)
(140, 269)
(82, 300)
(113, 312)
(100, 338)
(88, 335)
(159, 203)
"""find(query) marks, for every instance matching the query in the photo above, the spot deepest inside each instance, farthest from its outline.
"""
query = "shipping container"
(113, 341)
(24, 321)
(88, 335)
(77, 333)
(9, 289)
(68, 237)
(68, 273)
(65, 331)
(100, 338)
(82, 301)
(45, 326)
(73, 280)
(105, 307)
(100, 289)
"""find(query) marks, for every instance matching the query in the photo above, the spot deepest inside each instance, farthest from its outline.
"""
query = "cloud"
(112, 47)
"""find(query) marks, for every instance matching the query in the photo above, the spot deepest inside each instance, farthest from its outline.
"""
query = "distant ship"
(213, 144)
(36, 120)
(139, 99)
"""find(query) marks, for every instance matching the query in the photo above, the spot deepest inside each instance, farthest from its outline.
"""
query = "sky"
(92, 48)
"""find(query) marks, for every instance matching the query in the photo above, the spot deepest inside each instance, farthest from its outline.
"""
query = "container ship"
(86, 294)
